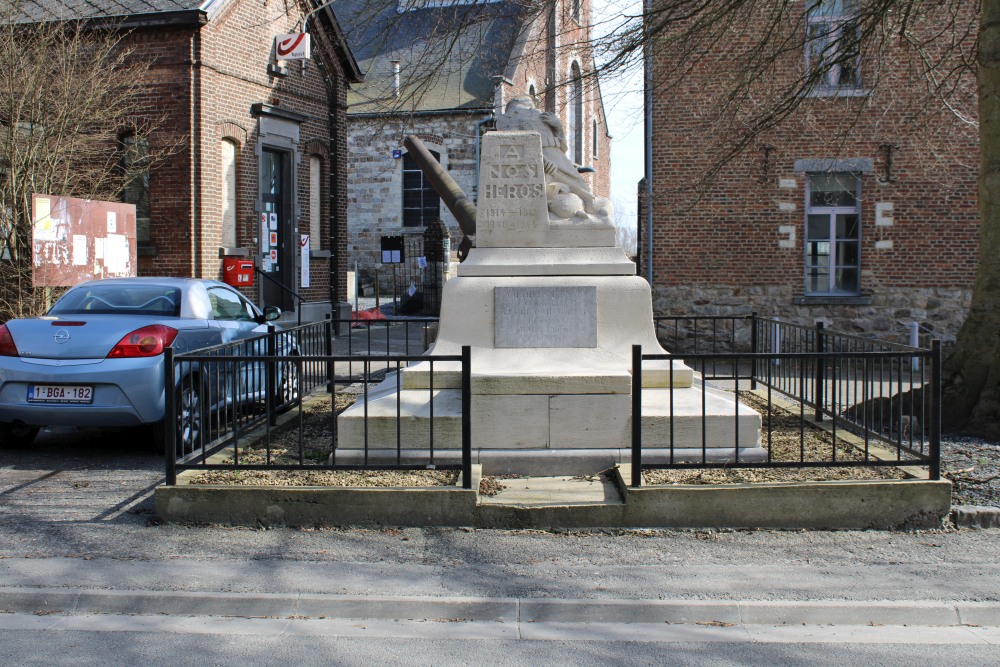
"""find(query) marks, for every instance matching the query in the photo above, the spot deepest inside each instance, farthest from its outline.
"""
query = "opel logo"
(61, 336)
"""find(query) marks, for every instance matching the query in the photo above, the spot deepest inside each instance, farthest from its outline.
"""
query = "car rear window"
(122, 299)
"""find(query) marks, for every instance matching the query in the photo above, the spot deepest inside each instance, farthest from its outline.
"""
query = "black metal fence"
(228, 400)
(877, 402)
(390, 337)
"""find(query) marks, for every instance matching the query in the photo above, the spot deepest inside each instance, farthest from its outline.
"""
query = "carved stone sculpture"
(568, 194)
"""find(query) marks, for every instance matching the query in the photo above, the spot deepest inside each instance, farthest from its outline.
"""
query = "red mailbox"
(237, 272)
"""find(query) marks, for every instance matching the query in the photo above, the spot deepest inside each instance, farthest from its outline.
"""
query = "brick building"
(859, 209)
(441, 71)
(247, 136)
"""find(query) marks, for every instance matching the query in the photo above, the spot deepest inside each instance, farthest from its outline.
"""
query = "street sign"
(292, 47)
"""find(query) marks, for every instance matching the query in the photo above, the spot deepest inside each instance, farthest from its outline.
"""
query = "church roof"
(448, 53)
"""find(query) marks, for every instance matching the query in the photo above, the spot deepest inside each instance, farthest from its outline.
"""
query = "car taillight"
(7, 347)
(145, 342)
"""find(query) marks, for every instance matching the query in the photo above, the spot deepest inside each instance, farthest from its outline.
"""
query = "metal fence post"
(935, 464)
(170, 416)
(269, 374)
(466, 417)
(328, 351)
(819, 380)
(754, 342)
(637, 414)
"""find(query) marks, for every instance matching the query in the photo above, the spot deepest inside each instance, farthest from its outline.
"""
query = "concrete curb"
(976, 516)
(885, 505)
(67, 601)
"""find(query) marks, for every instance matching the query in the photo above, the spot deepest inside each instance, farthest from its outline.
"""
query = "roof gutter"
(424, 112)
(179, 19)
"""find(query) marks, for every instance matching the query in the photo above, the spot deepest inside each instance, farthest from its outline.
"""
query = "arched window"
(315, 202)
(228, 148)
(134, 164)
(574, 116)
(421, 204)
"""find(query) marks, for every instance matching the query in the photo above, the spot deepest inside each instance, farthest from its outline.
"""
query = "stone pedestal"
(551, 309)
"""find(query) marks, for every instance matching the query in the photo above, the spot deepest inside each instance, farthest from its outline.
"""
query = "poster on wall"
(74, 240)
(304, 246)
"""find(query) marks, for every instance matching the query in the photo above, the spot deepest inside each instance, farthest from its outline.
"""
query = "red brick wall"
(205, 82)
(548, 60)
(716, 245)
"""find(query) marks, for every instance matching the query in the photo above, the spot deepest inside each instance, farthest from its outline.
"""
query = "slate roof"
(441, 67)
(146, 13)
(68, 10)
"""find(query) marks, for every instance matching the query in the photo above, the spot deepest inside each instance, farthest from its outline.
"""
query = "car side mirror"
(271, 313)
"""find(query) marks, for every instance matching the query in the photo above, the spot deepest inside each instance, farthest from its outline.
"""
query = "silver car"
(96, 357)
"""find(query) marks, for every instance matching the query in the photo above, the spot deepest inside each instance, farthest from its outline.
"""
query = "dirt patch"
(317, 419)
(791, 440)
(490, 486)
(334, 478)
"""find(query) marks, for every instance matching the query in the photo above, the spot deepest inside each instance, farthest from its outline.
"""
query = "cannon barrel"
(451, 194)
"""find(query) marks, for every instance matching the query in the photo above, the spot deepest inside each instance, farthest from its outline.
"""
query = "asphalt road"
(76, 517)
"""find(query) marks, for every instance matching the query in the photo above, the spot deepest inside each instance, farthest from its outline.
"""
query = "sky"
(622, 97)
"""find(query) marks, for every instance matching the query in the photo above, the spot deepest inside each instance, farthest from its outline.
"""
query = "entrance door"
(276, 205)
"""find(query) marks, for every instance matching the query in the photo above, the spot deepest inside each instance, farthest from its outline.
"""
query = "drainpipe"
(195, 155)
(647, 71)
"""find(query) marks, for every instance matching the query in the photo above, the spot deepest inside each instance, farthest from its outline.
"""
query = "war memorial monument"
(551, 308)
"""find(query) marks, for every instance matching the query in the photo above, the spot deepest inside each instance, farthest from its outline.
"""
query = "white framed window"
(228, 149)
(594, 140)
(833, 234)
(833, 51)
(315, 202)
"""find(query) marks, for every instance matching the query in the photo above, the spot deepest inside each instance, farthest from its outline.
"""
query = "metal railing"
(287, 290)
(878, 407)
(226, 402)
(882, 399)
(388, 338)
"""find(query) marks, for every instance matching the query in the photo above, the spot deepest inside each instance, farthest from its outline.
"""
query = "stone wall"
(375, 177)
(887, 316)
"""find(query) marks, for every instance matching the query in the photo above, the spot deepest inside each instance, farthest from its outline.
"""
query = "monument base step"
(682, 418)
(554, 380)
(549, 462)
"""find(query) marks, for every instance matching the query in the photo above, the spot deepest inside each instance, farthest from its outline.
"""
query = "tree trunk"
(972, 370)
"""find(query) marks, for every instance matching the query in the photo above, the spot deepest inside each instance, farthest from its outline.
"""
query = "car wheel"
(288, 384)
(192, 416)
(17, 435)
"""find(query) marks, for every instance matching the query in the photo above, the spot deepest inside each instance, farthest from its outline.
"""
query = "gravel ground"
(973, 466)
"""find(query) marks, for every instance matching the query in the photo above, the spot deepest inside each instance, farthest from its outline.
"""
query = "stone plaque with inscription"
(528, 317)
(511, 203)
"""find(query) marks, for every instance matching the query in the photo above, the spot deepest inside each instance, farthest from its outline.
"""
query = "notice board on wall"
(74, 240)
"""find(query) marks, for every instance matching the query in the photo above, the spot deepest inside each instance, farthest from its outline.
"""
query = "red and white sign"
(304, 250)
(292, 47)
